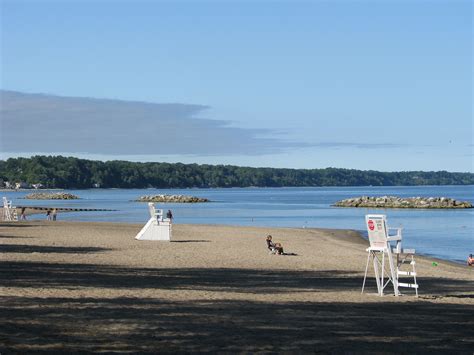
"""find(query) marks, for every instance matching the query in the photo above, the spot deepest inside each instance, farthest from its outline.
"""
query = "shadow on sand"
(17, 225)
(159, 325)
(44, 275)
(148, 325)
(22, 248)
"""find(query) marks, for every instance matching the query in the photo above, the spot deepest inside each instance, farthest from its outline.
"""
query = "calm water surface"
(445, 234)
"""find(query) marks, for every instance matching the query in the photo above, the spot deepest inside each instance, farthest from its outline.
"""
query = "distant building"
(37, 186)
(96, 186)
(21, 185)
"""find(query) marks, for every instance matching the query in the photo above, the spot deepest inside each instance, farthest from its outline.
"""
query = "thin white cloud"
(338, 145)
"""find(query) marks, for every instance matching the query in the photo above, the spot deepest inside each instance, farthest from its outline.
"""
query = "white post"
(383, 270)
(366, 269)
(393, 272)
(377, 276)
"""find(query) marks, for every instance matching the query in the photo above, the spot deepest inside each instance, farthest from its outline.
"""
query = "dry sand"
(91, 287)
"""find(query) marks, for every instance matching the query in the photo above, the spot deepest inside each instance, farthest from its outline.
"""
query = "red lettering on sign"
(371, 225)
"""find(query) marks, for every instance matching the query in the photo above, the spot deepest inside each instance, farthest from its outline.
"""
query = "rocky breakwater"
(51, 196)
(397, 202)
(172, 199)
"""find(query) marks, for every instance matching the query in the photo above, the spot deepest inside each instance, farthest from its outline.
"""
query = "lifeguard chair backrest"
(151, 209)
(154, 212)
(377, 229)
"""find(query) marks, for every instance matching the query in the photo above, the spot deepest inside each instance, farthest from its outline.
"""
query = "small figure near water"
(470, 260)
(54, 214)
(23, 214)
(169, 215)
(48, 215)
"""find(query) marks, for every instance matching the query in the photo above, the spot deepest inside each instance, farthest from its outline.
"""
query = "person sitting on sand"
(275, 248)
(470, 260)
(270, 244)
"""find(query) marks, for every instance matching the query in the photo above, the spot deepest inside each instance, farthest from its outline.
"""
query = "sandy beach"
(70, 286)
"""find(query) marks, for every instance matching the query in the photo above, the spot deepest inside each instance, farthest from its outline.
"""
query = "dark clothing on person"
(169, 215)
(270, 245)
(274, 247)
(279, 248)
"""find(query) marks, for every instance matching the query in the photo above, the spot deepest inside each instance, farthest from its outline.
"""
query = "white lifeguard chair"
(381, 249)
(9, 211)
(157, 227)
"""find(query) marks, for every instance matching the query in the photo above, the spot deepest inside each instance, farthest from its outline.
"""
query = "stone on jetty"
(172, 199)
(51, 196)
(397, 202)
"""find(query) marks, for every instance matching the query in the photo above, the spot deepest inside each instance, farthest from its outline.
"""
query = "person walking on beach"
(54, 214)
(48, 215)
(470, 260)
(169, 215)
(23, 214)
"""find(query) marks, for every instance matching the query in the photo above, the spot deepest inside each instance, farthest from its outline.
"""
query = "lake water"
(447, 234)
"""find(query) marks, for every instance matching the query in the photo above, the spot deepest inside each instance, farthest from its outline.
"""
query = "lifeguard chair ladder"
(380, 249)
(407, 256)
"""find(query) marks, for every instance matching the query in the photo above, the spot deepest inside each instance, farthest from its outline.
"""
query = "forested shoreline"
(75, 173)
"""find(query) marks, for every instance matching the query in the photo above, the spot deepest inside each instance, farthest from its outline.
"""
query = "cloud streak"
(60, 125)
(47, 123)
(338, 145)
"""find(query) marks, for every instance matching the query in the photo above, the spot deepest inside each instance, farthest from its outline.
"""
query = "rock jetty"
(51, 196)
(172, 199)
(397, 202)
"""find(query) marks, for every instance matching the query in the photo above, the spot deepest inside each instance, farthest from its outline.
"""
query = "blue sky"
(381, 85)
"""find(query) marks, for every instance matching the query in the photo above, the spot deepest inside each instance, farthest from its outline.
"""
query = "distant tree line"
(70, 172)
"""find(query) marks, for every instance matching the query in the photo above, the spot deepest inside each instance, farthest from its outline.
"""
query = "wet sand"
(70, 286)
